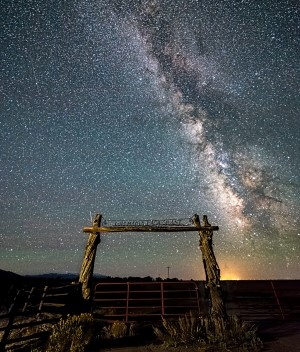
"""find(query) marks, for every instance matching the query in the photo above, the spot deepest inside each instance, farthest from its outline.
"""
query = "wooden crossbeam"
(145, 228)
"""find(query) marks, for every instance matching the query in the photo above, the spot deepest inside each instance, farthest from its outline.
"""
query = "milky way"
(151, 109)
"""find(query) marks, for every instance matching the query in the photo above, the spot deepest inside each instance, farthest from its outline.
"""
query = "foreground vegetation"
(202, 333)
(208, 332)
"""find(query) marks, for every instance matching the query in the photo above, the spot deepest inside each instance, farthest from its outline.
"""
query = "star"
(150, 111)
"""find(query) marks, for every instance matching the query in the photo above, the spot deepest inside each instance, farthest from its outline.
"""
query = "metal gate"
(131, 301)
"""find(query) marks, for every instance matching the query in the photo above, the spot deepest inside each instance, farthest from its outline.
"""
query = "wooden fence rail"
(32, 313)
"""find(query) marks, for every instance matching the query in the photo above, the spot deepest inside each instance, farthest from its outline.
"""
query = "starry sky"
(150, 110)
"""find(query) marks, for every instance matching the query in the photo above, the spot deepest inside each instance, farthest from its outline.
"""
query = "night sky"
(150, 110)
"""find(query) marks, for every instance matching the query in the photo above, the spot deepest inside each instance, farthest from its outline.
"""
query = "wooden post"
(87, 267)
(11, 316)
(211, 268)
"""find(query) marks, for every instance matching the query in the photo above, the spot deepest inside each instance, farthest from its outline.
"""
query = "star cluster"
(150, 109)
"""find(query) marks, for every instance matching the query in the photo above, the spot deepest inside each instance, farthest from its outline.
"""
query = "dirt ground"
(283, 336)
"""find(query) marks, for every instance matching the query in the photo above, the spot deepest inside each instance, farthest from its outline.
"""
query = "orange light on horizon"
(230, 276)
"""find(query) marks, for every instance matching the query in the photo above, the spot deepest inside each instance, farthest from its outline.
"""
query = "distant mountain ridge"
(67, 276)
(11, 276)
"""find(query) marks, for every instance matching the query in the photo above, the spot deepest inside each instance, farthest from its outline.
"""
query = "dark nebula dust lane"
(151, 109)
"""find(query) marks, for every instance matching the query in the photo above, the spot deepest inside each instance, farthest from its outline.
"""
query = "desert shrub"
(72, 334)
(116, 330)
(243, 334)
(187, 330)
(208, 331)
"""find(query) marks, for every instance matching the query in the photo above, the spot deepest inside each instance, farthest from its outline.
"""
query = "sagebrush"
(194, 329)
(116, 330)
(72, 334)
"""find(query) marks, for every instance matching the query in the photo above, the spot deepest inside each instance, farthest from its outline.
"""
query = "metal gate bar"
(134, 300)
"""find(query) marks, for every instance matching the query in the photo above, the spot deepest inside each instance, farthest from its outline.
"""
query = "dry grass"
(117, 330)
(208, 332)
(72, 334)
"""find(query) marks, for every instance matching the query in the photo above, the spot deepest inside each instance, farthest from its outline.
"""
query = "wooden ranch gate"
(204, 229)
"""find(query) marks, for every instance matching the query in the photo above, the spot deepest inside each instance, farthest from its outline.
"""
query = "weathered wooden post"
(211, 268)
(87, 267)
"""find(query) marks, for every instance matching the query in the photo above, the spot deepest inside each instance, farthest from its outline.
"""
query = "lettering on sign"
(152, 222)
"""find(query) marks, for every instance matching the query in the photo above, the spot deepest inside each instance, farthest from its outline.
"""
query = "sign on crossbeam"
(152, 222)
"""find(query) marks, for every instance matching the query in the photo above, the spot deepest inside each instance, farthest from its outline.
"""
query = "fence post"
(12, 312)
(30, 294)
(277, 301)
(87, 267)
(211, 268)
(44, 294)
